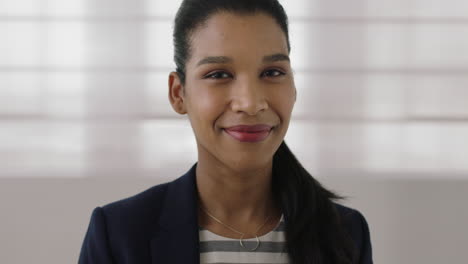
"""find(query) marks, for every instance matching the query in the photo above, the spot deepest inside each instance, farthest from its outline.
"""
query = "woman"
(247, 199)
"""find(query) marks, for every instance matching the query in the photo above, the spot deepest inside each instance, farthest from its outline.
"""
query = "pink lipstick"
(245, 133)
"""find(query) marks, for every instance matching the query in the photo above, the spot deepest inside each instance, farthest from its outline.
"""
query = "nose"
(248, 97)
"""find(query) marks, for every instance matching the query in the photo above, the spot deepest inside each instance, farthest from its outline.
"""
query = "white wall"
(382, 107)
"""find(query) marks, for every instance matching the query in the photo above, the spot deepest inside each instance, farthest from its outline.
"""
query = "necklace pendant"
(242, 244)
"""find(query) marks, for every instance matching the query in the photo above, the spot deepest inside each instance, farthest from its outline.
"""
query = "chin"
(248, 163)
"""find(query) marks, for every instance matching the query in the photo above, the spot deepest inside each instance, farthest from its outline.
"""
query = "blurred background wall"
(381, 116)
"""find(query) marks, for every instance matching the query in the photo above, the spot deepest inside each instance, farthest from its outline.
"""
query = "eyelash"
(211, 75)
(280, 73)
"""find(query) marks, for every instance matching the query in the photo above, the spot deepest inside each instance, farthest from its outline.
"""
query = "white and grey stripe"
(215, 249)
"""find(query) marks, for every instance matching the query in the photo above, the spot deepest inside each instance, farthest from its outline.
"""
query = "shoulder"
(142, 207)
(129, 219)
(356, 226)
(348, 214)
(144, 211)
(123, 226)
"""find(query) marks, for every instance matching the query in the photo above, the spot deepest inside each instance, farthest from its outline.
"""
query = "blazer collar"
(176, 240)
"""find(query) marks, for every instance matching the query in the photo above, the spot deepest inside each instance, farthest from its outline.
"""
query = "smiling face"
(238, 75)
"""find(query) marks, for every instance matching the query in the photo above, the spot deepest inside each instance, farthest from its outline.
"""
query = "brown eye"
(272, 73)
(218, 75)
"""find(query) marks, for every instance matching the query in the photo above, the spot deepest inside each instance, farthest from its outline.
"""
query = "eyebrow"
(214, 60)
(276, 57)
(223, 59)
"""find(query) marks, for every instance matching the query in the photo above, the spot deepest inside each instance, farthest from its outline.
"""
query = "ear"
(176, 93)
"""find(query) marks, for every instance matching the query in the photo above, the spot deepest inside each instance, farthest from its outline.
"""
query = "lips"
(249, 133)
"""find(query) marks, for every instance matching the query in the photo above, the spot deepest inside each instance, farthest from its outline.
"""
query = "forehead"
(237, 34)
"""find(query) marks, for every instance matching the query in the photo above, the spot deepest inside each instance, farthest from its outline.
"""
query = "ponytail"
(314, 234)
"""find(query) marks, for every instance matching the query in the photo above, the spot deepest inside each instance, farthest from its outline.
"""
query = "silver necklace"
(236, 231)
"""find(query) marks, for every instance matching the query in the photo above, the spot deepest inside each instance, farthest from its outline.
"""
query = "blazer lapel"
(176, 239)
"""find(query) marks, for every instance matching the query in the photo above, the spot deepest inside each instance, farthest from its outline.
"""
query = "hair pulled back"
(314, 234)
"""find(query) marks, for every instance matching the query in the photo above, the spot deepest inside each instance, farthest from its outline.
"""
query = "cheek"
(205, 106)
(284, 100)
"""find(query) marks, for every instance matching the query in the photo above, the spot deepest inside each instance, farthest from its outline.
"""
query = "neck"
(240, 196)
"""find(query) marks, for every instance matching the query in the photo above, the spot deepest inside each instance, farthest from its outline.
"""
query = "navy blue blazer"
(160, 225)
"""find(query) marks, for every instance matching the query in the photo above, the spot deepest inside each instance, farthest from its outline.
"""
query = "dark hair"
(314, 233)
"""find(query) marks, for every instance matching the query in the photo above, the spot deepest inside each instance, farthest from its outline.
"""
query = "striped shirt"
(215, 249)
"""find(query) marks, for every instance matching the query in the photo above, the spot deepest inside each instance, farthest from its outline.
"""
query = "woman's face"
(238, 74)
